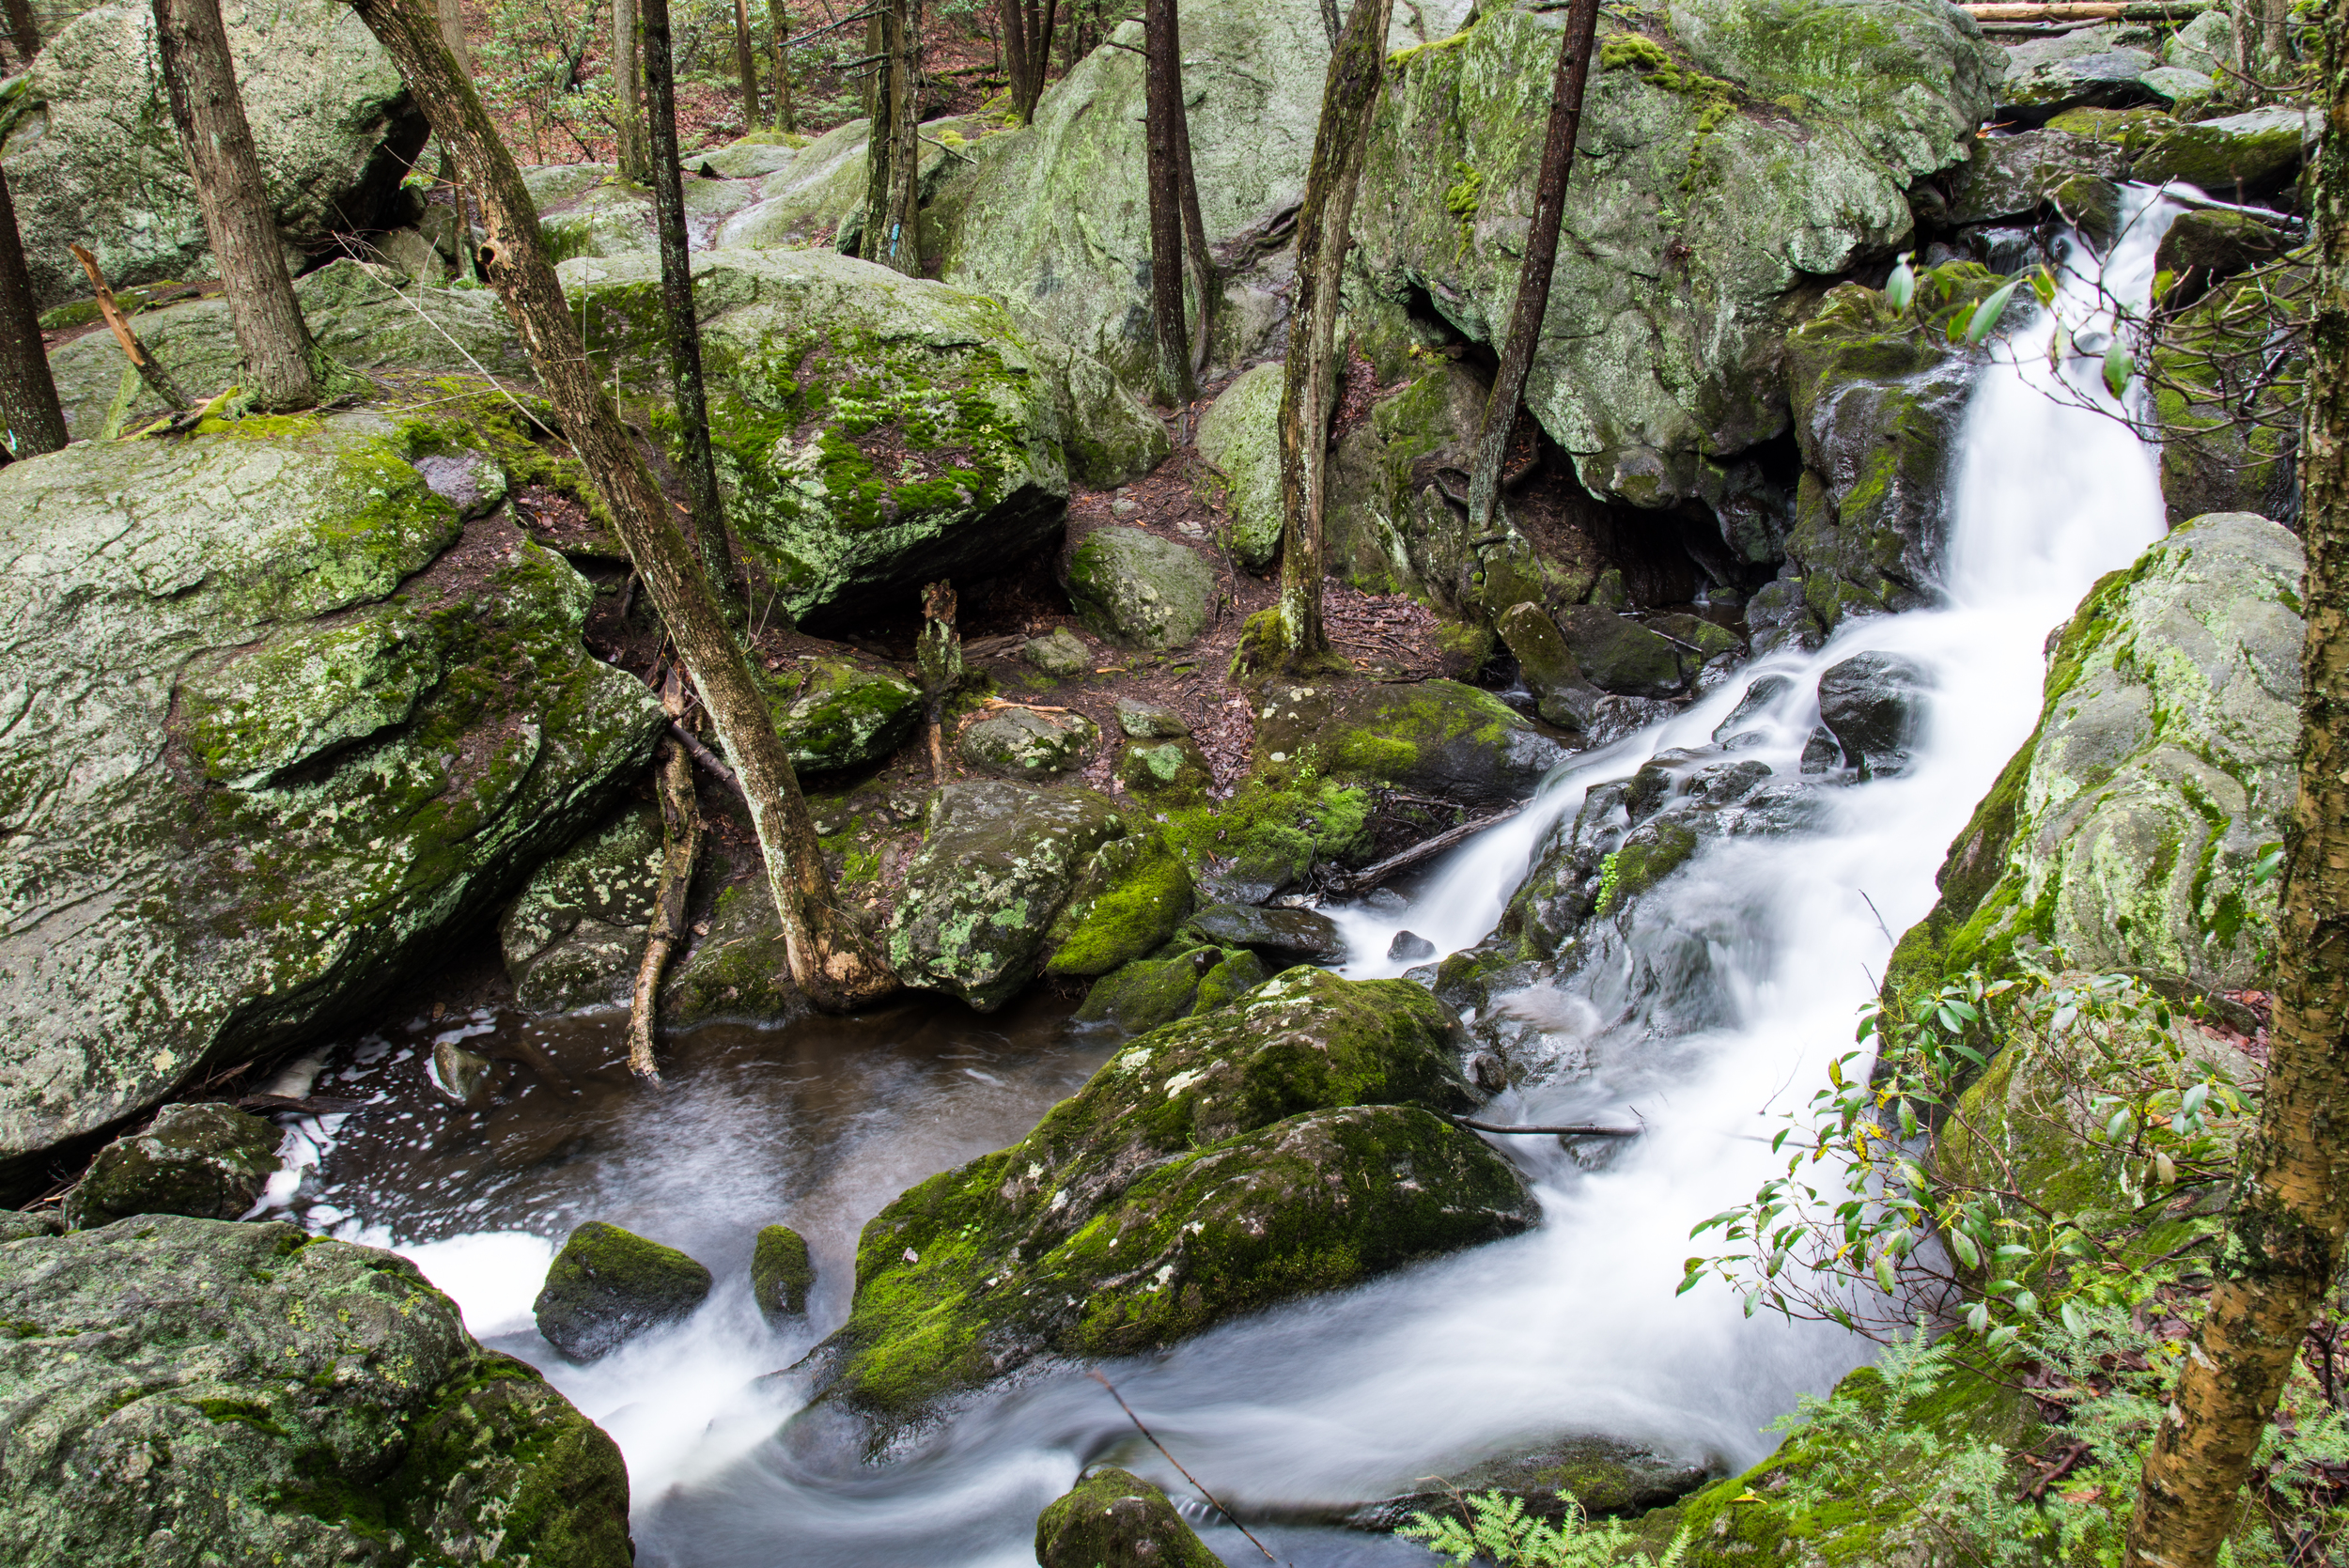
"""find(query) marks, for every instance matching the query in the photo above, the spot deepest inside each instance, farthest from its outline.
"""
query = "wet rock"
(2012, 177)
(781, 1272)
(1164, 767)
(460, 1075)
(2235, 158)
(1435, 737)
(571, 939)
(207, 1162)
(1024, 743)
(1060, 654)
(1409, 945)
(1609, 1477)
(94, 160)
(1875, 704)
(1115, 1519)
(319, 1402)
(1137, 590)
(835, 716)
(1289, 1143)
(1281, 936)
(1701, 645)
(1133, 896)
(1747, 721)
(2125, 832)
(997, 862)
(1241, 436)
(1147, 721)
(379, 736)
(1560, 696)
(2203, 248)
(1617, 654)
(608, 1285)
(1820, 753)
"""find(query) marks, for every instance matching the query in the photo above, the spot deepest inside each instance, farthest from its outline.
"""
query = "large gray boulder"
(189, 1392)
(1139, 589)
(273, 741)
(1239, 436)
(92, 158)
(2126, 831)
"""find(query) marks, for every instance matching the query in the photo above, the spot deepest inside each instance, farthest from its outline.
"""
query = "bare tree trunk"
(2283, 1243)
(1534, 273)
(2275, 41)
(201, 76)
(786, 119)
(452, 14)
(28, 396)
(830, 961)
(1163, 99)
(680, 846)
(1195, 256)
(1348, 99)
(628, 95)
(1330, 20)
(938, 656)
(676, 299)
(24, 30)
(893, 196)
(1028, 48)
(746, 65)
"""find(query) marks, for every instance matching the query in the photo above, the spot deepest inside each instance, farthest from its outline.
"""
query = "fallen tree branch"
(1370, 876)
(1097, 1377)
(1572, 1129)
(149, 371)
(2089, 11)
(680, 846)
(707, 759)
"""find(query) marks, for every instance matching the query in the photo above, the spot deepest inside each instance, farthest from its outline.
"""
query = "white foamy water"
(1769, 944)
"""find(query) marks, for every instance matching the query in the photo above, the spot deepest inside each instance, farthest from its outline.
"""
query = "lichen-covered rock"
(816, 193)
(1280, 936)
(92, 157)
(209, 1161)
(2124, 830)
(1605, 1476)
(782, 1273)
(2012, 177)
(1241, 436)
(1027, 743)
(572, 938)
(740, 968)
(1164, 767)
(1141, 720)
(607, 1285)
(612, 218)
(753, 156)
(1875, 704)
(2203, 44)
(1434, 737)
(2088, 65)
(276, 739)
(835, 716)
(1139, 590)
(1388, 529)
(998, 861)
(1134, 895)
(1219, 1164)
(1115, 1519)
(317, 1402)
(1060, 654)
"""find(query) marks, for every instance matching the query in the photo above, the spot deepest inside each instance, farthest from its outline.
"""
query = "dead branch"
(153, 374)
(1572, 1129)
(1370, 876)
(680, 846)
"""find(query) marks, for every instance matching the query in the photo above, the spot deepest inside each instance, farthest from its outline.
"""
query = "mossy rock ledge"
(276, 739)
(316, 1402)
(1435, 738)
(1292, 1142)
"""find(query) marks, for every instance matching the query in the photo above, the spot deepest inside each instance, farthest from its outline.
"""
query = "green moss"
(1713, 99)
(1144, 894)
(782, 1273)
(249, 1412)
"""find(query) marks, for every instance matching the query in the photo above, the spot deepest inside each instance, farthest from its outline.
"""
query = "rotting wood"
(153, 374)
(1570, 1130)
(1370, 876)
(709, 760)
(680, 846)
(938, 656)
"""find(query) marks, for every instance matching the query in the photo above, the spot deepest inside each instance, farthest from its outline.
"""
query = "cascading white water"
(1574, 1327)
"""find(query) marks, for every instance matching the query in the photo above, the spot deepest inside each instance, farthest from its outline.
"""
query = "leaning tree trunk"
(2283, 1244)
(201, 77)
(628, 96)
(29, 397)
(893, 150)
(451, 17)
(829, 959)
(786, 121)
(1308, 388)
(745, 66)
(1162, 98)
(1533, 271)
(24, 30)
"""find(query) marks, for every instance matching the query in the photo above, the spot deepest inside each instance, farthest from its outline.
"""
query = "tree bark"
(786, 119)
(1533, 273)
(676, 299)
(24, 31)
(830, 961)
(1162, 99)
(285, 366)
(452, 15)
(680, 846)
(894, 150)
(28, 396)
(746, 65)
(150, 368)
(1348, 97)
(1330, 20)
(1028, 50)
(938, 656)
(2283, 1243)
(628, 96)
(1195, 258)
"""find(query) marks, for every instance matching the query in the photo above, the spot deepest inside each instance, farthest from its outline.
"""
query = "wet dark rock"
(607, 1285)
(1875, 704)
(1605, 1475)
(1619, 655)
(1744, 724)
(1820, 753)
(1561, 694)
(1115, 1519)
(781, 1272)
(460, 1074)
(1386, 901)
(1281, 937)
(206, 1161)
(2012, 177)
(1411, 944)
(1618, 717)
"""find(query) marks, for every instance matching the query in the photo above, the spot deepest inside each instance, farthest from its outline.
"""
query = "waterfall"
(1574, 1326)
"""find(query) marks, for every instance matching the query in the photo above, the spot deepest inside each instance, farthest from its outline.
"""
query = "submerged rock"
(782, 1273)
(317, 1402)
(1141, 591)
(608, 1285)
(1875, 706)
(207, 1161)
(1115, 1519)
(1607, 1476)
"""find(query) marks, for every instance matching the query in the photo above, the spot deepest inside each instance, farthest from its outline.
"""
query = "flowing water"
(1772, 944)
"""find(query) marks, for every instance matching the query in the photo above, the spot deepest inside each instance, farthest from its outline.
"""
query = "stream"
(1773, 943)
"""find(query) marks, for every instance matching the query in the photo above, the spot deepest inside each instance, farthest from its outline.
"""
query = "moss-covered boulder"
(2125, 830)
(1152, 991)
(1435, 738)
(1562, 695)
(2088, 65)
(1132, 898)
(1173, 768)
(836, 716)
(2202, 248)
(805, 202)
(2235, 158)
(1293, 1142)
(1607, 1476)
(607, 1285)
(615, 218)
(782, 1273)
(2213, 458)
(92, 158)
(1618, 654)
(1239, 436)
(1141, 590)
(191, 1389)
(2013, 177)
(1029, 743)
(276, 741)
(573, 936)
(209, 1161)
(1115, 1519)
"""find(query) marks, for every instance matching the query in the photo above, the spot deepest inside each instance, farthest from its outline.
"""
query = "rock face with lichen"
(282, 721)
(192, 1391)
(209, 1161)
(1291, 1144)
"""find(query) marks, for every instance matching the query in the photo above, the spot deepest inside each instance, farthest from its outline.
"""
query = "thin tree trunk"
(938, 657)
(786, 121)
(2283, 1244)
(201, 76)
(829, 959)
(1028, 47)
(1349, 98)
(1163, 99)
(28, 396)
(24, 31)
(1330, 20)
(746, 65)
(628, 95)
(1533, 273)
(676, 299)
(680, 847)
(894, 152)
(1196, 255)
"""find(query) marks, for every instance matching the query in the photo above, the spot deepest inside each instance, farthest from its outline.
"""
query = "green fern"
(1503, 1533)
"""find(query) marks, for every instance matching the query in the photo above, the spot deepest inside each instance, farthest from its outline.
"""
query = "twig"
(149, 371)
(1361, 881)
(709, 760)
(1570, 1131)
(1095, 1374)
